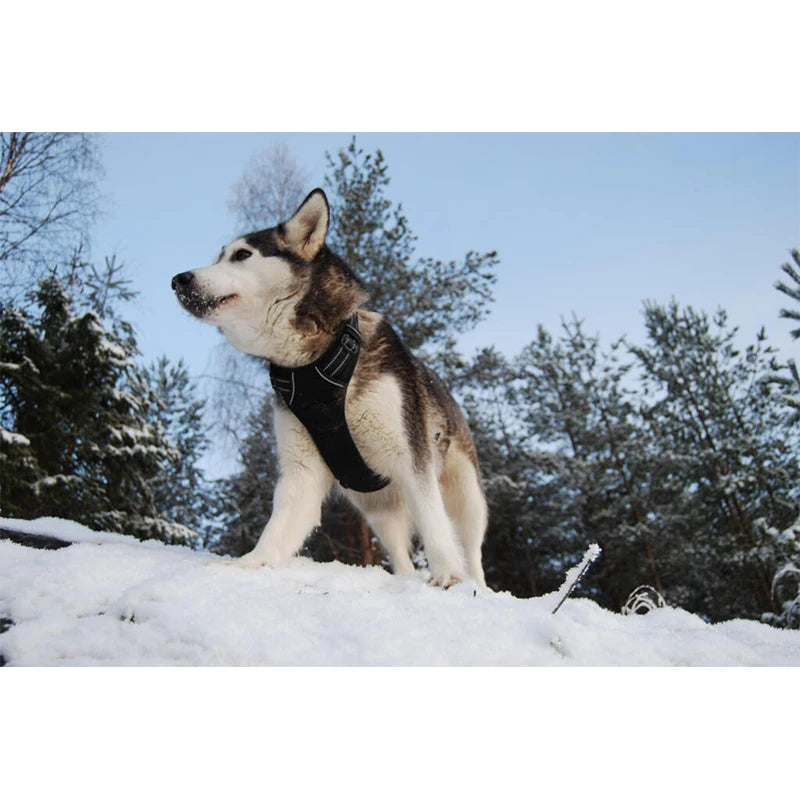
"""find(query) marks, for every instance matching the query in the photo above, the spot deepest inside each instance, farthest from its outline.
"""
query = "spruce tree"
(71, 393)
(180, 490)
(791, 290)
(785, 544)
(786, 376)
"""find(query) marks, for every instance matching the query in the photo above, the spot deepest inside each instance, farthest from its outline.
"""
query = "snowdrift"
(107, 599)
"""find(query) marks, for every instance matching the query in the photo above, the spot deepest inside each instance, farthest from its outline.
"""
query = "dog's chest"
(375, 419)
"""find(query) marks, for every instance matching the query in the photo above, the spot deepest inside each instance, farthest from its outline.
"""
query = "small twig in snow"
(576, 573)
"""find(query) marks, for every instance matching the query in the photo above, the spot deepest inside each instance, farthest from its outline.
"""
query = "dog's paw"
(469, 588)
(445, 581)
(252, 561)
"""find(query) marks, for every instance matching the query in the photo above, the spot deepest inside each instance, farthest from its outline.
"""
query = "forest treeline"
(675, 450)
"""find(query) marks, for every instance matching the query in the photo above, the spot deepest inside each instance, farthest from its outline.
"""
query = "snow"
(112, 600)
(54, 480)
(123, 432)
(114, 350)
(13, 439)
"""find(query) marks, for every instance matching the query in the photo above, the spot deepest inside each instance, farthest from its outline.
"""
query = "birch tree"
(48, 200)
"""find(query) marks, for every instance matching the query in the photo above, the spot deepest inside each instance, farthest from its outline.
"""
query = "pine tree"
(685, 476)
(71, 394)
(592, 456)
(426, 300)
(714, 409)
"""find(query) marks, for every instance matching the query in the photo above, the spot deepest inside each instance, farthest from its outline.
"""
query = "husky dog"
(280, 294)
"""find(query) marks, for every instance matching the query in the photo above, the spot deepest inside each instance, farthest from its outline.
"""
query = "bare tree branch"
(270, 189)
(48, 199)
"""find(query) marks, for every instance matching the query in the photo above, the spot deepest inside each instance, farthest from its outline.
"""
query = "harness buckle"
(349, 343)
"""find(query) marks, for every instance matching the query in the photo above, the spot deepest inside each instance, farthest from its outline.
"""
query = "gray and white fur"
(281, 294)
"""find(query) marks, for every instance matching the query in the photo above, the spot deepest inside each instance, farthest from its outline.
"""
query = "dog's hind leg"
(434, 527)
(466, 506)
(304, 483)
(393, 529)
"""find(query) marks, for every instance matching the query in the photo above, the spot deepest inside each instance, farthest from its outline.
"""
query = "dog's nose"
(182, 280)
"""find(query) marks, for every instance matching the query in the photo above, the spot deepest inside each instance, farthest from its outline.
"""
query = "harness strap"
(316, 394)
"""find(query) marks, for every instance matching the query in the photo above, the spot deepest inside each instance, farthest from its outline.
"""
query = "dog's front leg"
(304, 482)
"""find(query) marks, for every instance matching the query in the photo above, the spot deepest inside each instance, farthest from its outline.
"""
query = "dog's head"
(263, 278)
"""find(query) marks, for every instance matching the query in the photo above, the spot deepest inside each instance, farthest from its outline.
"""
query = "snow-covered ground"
(112, 600)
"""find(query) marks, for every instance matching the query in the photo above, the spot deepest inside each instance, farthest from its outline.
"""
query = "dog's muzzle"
(185, 288)
(192, 299)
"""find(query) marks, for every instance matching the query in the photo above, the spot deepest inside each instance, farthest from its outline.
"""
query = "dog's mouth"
(202, 305)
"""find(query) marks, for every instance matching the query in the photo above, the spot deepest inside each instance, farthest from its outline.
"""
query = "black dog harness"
(316, 393)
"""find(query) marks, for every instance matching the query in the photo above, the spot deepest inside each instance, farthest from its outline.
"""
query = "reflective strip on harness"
(316, 394)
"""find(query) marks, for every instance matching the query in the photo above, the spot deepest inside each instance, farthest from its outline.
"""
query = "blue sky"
(585, 223)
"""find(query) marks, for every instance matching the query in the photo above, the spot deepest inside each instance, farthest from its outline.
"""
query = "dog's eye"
(241, 255)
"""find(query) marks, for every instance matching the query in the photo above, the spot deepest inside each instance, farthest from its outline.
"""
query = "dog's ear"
(304, 233)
